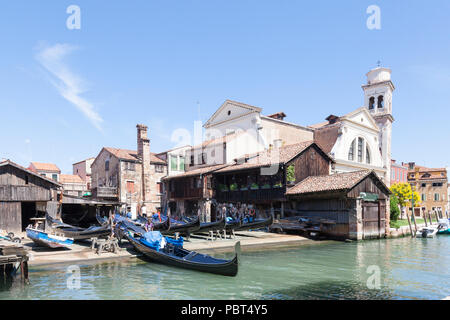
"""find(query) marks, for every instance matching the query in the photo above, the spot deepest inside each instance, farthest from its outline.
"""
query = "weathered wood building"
(260, 180)
(263, 179)
(23, 194)
(354, 204)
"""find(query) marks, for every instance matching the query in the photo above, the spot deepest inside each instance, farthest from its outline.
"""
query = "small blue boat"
(48, 240)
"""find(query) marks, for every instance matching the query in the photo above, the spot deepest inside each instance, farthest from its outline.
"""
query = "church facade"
(362, 139)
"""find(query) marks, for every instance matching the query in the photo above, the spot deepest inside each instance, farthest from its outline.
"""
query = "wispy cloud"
(68, 84)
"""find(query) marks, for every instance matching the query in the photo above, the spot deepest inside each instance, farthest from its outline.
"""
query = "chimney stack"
(143, 145)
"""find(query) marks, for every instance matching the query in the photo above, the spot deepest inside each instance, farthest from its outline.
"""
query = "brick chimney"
(143, 150)
(279, 115)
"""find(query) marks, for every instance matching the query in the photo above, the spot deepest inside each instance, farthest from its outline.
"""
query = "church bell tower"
(378, 100)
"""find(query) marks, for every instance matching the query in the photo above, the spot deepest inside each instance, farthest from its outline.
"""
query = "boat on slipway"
(77, 233)
(38, 235)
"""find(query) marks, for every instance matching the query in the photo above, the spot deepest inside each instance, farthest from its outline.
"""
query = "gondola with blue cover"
(168, 251)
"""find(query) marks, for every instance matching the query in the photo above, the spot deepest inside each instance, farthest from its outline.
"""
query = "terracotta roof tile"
(196, 172)
(50, 167)
(11, 163)
(70, 178)
(334, 182)
(125, 154)
(269, 157)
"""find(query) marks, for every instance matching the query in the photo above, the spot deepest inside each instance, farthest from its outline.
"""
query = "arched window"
(371, 103)
(360, 149)
(351, 151)
(380, 102)
(367, 154)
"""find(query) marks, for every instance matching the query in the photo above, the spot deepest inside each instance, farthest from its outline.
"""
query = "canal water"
(380, 269)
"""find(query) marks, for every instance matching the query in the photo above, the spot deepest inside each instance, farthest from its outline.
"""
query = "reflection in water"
(409, 269)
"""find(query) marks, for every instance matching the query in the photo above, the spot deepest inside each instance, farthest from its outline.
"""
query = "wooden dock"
(13, 257)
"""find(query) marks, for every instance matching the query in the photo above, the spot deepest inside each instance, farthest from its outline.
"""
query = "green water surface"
(408, 269)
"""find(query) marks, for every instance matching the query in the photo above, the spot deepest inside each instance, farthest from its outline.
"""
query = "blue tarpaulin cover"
(176, 243)
(152, 239)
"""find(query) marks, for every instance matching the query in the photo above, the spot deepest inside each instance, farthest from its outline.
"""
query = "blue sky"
(64, 94)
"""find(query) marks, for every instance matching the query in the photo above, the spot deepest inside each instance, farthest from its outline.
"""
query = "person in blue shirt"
(129, 215)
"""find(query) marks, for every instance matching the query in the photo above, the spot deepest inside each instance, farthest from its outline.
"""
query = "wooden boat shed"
(354, 205)
(23, 194)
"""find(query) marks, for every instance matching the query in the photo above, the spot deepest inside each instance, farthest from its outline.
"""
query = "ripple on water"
(410, 269)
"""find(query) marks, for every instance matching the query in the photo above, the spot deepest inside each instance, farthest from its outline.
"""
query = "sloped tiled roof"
(70, 178)
(266, 158)
(50, 167)
(196, 172)
(334, 182)
(11, 163)
(125, 154)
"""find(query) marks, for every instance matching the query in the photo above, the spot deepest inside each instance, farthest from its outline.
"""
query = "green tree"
(404, 193)
(395, 210)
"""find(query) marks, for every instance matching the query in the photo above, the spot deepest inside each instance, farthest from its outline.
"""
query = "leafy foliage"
(290, 173)
(403, 192)
(395, 210)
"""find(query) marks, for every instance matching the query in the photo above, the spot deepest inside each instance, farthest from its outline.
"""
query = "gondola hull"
(77, 233)
(157, 226)
(44, 239)
(212, 226)
(234, 225)
(182, 228)
(258, 224)
(216, 266)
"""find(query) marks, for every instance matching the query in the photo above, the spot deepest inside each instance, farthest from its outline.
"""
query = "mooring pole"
(410, 227)
(413, 213)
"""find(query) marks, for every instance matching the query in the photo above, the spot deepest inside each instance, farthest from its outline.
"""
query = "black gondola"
(256, 224)
(77, 233)
(179, 257)
(183, 228)
(233, 225)
(159, 226)
(212, 226)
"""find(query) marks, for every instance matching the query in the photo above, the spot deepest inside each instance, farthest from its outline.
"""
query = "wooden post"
(414, 219)
(437, 218)
(425, 219)
(429, 218)
(410, 227)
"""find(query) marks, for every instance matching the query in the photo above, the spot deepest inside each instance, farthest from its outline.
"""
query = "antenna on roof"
(379, 63)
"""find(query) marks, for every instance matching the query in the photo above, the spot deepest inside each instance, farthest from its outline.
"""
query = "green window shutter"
(173, 163)
(181, 163)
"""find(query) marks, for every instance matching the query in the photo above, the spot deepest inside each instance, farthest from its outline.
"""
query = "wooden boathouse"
(263, 179)
(23, 194)
(354, 205)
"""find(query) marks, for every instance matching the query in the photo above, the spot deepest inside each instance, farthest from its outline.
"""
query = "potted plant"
(233, 187)
(254, 186)
(278, 185)
(223, 188)
(266, 186)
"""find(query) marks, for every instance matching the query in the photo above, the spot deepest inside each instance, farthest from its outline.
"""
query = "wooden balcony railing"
(271, 194)
(186, 193)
